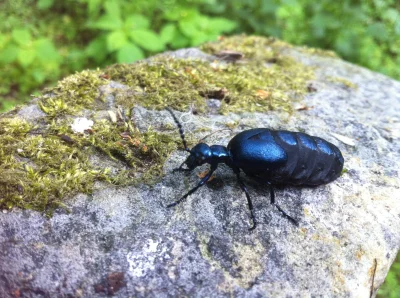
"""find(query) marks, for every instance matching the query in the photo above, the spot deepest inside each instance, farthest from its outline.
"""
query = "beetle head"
(199, 155)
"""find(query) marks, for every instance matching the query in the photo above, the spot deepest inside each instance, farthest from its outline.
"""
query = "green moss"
(264, 80)
(37, 170)
(143, 153)
(319, 52)
(72, 94)
(159, 83)
(252, 47)
(44, 163)
(342, 81)
(232, 125)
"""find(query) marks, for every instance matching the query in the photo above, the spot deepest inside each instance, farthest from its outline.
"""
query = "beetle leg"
(181, 169)
(272, 195)
(201, 183)
(249, 203)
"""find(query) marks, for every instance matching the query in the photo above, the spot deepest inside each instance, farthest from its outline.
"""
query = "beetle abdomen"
(311, 160)
(305, 160)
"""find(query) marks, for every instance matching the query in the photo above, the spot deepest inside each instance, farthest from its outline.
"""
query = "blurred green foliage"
(391, 287)
(43, 40)
(40, 41)
(364, 32)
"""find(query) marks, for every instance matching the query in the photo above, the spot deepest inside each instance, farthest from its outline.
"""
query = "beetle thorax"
(202, 153)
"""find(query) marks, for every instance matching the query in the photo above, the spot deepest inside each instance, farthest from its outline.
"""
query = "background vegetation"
(43, 40)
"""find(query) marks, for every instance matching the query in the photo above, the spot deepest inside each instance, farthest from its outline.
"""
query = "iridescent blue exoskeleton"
(271, 157)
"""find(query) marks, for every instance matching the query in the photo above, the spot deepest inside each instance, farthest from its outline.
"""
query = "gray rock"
(124, 242)
(190, 53)
(108, 89)
(31, 112)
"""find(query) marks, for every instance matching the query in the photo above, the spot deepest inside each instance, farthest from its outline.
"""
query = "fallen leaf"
(304, 108)
(344, 139)
(311, 88)
(220, 93)
(204, 173)
(230, 56)
(113, 116)
(104, 76)
(263, 94)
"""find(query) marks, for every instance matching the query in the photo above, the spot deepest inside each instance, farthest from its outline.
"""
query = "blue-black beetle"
(271, 157)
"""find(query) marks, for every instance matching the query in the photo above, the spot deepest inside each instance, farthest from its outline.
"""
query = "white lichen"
(81, 124)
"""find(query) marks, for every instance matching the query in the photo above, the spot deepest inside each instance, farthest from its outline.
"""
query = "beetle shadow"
(287, 197)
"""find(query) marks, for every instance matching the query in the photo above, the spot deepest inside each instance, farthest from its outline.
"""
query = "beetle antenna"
(210, 134)
(181, 132)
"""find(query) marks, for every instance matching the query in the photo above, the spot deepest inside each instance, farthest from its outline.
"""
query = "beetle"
(269, 156)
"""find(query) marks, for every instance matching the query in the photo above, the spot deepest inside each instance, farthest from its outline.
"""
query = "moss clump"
(159, 83)
(342, 81)
(72, 94)
(264, 80)
(37, 170)
(143, 153)
(252, 47)
(319, 52)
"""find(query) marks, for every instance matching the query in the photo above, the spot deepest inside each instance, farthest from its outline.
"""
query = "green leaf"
(3, 40)
(46, 51)
(76, 59)
(116, 40)
(397, 27)
(179, 12)
(6, 105)
(188, 28)
(173, 14)
(45, 4)
(268, 7)
(378, 31)
(344, 44)
(107, 22)
(202, 22)
(392, 15)
(9, 54)
(202, 38)
(21, 36)
(168, 32)
(180, 41)
(290, 10)
(26, 57)
(113, 9)
(222, 25)
(93, 7)
(318, 24)
(129, 53)
(148, 40)
(97, 48)
(39, 75)
(137, 21)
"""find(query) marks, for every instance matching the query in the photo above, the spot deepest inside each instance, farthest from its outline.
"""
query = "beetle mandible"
(269, 156)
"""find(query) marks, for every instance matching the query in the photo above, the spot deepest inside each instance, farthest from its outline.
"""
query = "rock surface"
(124, 242)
